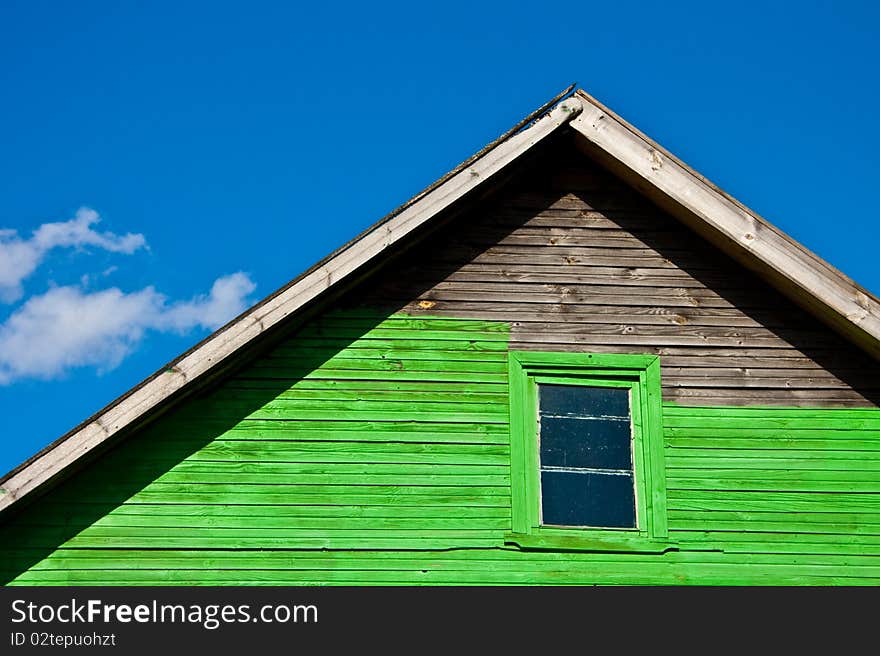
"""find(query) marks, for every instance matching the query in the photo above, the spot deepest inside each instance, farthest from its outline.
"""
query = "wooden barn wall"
(372, 446)
(575, 260)
(370, 450)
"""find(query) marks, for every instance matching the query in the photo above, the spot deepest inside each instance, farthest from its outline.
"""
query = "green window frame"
(640, 374)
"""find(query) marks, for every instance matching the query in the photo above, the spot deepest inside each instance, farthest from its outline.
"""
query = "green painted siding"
(365, 450)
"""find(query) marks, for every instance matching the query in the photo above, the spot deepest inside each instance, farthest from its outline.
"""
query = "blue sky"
(162, 165)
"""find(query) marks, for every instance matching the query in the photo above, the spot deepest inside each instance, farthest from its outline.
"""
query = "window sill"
(587, 543)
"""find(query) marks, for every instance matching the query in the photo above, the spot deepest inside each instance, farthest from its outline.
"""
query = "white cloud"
(86, 279)
(225, 300)
(67, 327)
(19, 257)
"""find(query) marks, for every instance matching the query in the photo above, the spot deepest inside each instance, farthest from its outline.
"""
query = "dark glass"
(587, 431)
(582, 401)
(599, 444)
(588, 499)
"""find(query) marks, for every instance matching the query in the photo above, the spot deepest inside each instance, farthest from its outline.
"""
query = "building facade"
(570, 361)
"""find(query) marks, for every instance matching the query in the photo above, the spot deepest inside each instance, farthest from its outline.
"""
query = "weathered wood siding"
(365, 452)
(349, 436)
(575, 260)
(372, 447)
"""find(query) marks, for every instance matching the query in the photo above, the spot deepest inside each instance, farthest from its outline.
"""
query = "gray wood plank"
(576, 261)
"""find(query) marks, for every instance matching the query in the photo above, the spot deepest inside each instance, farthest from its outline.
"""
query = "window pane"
(584, 401)
(585, 427)
(588, 499)
(585, 438)
(573, 442)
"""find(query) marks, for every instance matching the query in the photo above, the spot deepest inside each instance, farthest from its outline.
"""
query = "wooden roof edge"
(754, 242)
(211, 353)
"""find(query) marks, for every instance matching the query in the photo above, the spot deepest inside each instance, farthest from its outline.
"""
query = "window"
(585, 456)
(586, 452)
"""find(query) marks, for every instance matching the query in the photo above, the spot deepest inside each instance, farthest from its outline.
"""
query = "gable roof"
(602, 135)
